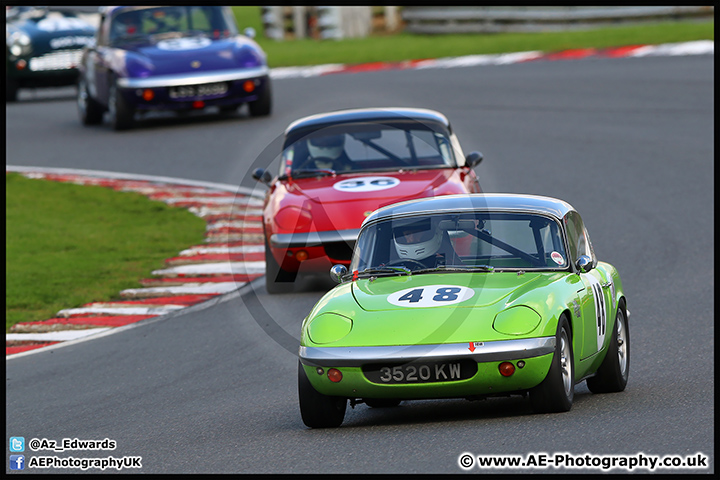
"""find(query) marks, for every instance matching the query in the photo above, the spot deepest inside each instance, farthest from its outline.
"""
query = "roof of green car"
(485, 202)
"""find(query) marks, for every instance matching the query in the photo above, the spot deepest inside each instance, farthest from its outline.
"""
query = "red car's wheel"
(277, 280)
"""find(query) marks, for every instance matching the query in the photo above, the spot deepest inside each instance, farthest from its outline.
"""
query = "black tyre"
(318, 410)
(263, 105)
(11, 90)
(90, 111)
(277, 280)
(382, 402)
(121, 114)
(612, 376)
(556, 392)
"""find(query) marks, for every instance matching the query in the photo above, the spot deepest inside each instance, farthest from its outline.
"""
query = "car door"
(593, 295)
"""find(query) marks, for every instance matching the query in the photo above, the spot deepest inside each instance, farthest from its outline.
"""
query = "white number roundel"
(190, 43)
(366, 184)
(431, 296)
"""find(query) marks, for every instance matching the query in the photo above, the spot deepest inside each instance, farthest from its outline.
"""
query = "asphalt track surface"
(628, 142)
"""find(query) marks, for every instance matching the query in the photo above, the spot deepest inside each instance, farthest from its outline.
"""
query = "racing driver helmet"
(417, 240)
(328, 146)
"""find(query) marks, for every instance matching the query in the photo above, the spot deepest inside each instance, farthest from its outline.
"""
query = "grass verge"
(407, 46)
(62, 254)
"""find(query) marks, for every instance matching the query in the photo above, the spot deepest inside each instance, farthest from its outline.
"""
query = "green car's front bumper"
(430, 368)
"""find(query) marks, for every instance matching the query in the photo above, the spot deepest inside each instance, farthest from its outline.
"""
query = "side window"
(578, 239)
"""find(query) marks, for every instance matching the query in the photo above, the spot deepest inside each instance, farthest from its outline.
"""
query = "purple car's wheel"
(263, 105)
(91, 112)
(121, 114)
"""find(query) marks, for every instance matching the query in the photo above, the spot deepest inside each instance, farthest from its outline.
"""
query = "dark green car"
(465, 296)
(44, 46)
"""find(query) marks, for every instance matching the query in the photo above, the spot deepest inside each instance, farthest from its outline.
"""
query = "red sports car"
(338, 167)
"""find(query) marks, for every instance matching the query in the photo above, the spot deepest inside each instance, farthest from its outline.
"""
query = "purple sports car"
(177, 58)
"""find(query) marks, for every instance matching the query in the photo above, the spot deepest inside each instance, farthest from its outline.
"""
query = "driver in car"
(328, 153)
(422, 243)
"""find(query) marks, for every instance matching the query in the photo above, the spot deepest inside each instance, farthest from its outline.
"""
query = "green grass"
(67, 245)
(406, 46)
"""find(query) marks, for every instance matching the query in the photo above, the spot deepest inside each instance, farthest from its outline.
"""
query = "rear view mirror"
(473, 159)
(262, 176)
(367, 135)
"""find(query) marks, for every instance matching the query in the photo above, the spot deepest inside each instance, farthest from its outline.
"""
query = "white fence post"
(272, 18)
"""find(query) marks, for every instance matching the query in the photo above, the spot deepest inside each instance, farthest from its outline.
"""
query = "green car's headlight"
(328, 328)
(518, 320)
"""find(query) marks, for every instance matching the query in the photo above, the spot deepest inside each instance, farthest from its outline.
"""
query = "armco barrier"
(441, 20)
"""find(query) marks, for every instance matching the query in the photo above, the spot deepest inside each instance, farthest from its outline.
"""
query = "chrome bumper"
(496, 351)
(198, 78)
(311, 239)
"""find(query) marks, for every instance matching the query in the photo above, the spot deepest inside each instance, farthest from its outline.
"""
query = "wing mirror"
(584, 264)
(337, 272)
(473, 159)
(262, 176)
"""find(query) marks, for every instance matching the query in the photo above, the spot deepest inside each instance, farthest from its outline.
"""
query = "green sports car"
(465, 296)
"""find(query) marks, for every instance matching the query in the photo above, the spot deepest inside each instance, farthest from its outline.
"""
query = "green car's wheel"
(91, 112)
(556, 392)
(612, 376)
(263, 105)
(121, 114)
(277, 280)
(381, 402)
(318, 410)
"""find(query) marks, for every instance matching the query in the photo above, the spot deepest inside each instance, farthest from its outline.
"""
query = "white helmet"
(417, 241)
(329, 146)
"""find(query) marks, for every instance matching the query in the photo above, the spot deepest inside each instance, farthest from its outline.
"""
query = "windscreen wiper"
(396, 270)
(312, 172)
(458, 268)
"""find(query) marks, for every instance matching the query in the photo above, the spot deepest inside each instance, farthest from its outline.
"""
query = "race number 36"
(366, 184)
(431, 296)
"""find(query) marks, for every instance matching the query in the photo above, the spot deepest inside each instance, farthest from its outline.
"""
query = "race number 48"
(431, 296)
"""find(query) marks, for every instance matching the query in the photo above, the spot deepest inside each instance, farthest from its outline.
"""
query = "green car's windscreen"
(514, 241)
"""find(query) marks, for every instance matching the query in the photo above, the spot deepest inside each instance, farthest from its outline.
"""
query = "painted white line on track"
(217, 288)
(154, 310)
(219, 268)
(232, 224)
(59, 336)
(700, 47)
(222, 250)
(129, 176)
